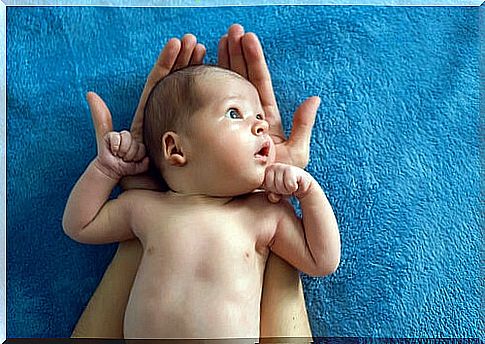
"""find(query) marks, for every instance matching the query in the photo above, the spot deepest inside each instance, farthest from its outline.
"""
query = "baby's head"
(205, 131)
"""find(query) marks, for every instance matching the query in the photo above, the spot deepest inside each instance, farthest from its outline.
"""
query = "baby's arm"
(88, 217)
(311, 244)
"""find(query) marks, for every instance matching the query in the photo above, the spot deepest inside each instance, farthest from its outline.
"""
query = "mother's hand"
(175, 55)
(242, 53)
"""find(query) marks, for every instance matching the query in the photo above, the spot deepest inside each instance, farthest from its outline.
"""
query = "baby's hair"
(171, 104)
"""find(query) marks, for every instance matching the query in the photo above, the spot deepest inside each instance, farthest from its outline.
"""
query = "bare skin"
(283, 312)
(201, 273)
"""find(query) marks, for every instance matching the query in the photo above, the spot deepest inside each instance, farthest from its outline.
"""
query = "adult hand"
(175, 55)
(242, 53)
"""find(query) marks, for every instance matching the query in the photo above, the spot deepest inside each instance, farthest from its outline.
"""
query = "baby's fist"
(282, 180)
(124, 146)
(120, 155)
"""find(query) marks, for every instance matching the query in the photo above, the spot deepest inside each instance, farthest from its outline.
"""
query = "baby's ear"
(172, 149)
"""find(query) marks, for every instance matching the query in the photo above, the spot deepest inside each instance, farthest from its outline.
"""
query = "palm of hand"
(283, 151)
(294, 150)
(242, 52)
(285, 154)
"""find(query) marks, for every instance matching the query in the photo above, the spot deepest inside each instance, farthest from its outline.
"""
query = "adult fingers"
(303, 122)
(258, 75)
(234, 48)
(189, 42)
(100, 115)
(162, 67)
(165, 62)
(198, 54)
(258, 72)
(222, 53)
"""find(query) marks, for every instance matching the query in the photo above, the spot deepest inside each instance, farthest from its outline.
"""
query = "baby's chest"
(205, 245)
(241, 228)
(199, 229)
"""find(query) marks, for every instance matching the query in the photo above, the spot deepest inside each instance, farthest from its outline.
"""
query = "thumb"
(303, 122)
(100, 115)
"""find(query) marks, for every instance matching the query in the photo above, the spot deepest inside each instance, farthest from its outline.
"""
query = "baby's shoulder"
(146, 207)
(142, 198)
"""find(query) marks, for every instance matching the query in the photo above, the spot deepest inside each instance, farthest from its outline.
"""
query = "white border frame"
(133, 3)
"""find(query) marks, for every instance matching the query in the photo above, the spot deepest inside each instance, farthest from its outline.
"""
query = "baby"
(206, 241)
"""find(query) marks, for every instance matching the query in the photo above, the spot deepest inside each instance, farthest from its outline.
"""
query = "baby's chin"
(239, 188)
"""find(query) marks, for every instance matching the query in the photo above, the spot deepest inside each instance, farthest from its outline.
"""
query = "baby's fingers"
(125, 143)
(114, 142)
(269, 176)
(140, 154)
(280, 181)
(304, 183)
(132, 151)
(269, 186)
(273, 197)
(139, 167)
(290, 181)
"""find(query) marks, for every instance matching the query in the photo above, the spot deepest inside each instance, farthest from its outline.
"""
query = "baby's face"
(230, 145)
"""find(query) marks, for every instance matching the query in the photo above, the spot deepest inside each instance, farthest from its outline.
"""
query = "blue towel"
(395, 147)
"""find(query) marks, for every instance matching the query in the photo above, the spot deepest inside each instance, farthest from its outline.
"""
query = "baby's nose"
(260, 127)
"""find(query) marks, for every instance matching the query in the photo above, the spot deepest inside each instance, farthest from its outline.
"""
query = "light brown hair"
(171, 104)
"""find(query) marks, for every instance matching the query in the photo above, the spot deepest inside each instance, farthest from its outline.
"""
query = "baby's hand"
(120, 155)
(283, 179)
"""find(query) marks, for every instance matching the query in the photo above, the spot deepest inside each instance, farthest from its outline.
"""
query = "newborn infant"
(206, 241)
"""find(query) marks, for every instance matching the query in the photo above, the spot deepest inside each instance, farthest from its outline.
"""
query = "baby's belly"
(191, 300)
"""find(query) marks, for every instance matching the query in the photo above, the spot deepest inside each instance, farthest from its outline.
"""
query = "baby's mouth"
(263, 153)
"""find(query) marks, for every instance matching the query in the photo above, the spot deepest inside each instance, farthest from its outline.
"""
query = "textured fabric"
(395, 146)
(212, 3)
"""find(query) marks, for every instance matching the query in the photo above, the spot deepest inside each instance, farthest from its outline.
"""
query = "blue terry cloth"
(395, 147)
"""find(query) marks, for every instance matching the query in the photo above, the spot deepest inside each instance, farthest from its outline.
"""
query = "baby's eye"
(259, 116)
(233, 114)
